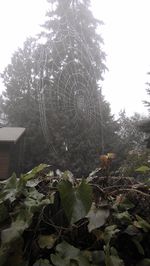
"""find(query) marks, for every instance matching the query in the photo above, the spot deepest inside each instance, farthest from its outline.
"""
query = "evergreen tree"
(73, 51)
(20, 101)
(146, 102)
(133, 153)
(145, 123)
(131, 137)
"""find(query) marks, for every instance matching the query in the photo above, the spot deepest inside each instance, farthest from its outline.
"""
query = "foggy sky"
(126, 38)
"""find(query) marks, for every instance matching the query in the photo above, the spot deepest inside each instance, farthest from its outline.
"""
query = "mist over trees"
(145, 125)
(130, 135)
(52, 89)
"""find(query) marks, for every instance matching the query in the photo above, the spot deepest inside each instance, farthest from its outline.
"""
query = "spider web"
(73, 92)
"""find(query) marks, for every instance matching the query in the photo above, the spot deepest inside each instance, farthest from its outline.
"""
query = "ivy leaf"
(123, 217)
(42, 262)
(35, 200)
(143, 169)
(11, 182)
(67, 196)
(57, 260)
(33, 182)
(141, 223)
(10, 195)
(83, 261)
(68, 255)
(47, 241)
(125, 204)
(67, 175)
(84, 193)
(67, 250)
(10, 189)
(17, 227)
(14, 232)
(76, 201)
(34, 194)
(97, 217)
(111, 257)
(138, 246)
(109, 232)
(132, 230)
(114, 261)
(34, 171)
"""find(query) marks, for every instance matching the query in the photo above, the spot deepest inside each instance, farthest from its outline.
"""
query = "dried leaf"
(47, 241)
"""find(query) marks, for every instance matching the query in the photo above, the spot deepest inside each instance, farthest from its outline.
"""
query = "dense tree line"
(145, 124)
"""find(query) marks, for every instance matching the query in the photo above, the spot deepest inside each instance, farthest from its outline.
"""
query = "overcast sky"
(125, 33)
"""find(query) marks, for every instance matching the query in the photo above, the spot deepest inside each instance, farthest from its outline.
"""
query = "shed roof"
(11, 134)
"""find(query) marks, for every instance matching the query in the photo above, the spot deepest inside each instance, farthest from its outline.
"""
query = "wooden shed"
(11, 149)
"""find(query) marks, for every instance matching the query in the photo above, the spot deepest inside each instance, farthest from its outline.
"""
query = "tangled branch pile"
(49, 218)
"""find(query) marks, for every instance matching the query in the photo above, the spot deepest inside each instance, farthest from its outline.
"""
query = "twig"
(111, 187)
(130, 189)
(100, 189)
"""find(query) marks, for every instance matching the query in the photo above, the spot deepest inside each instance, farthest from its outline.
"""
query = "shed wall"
(4, 161)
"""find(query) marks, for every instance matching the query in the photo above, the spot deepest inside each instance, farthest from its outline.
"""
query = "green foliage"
(97, 217)
(34, 171)
(146, 126)
(44, 223)
(143, 169)
(132, 138)
(141, 223)
(111, 257)
(131, 147)
(76, 201)
(42, 263)
(16, 228)
(109, 233)
(68, 255)
(18, 205)
(136, 162)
